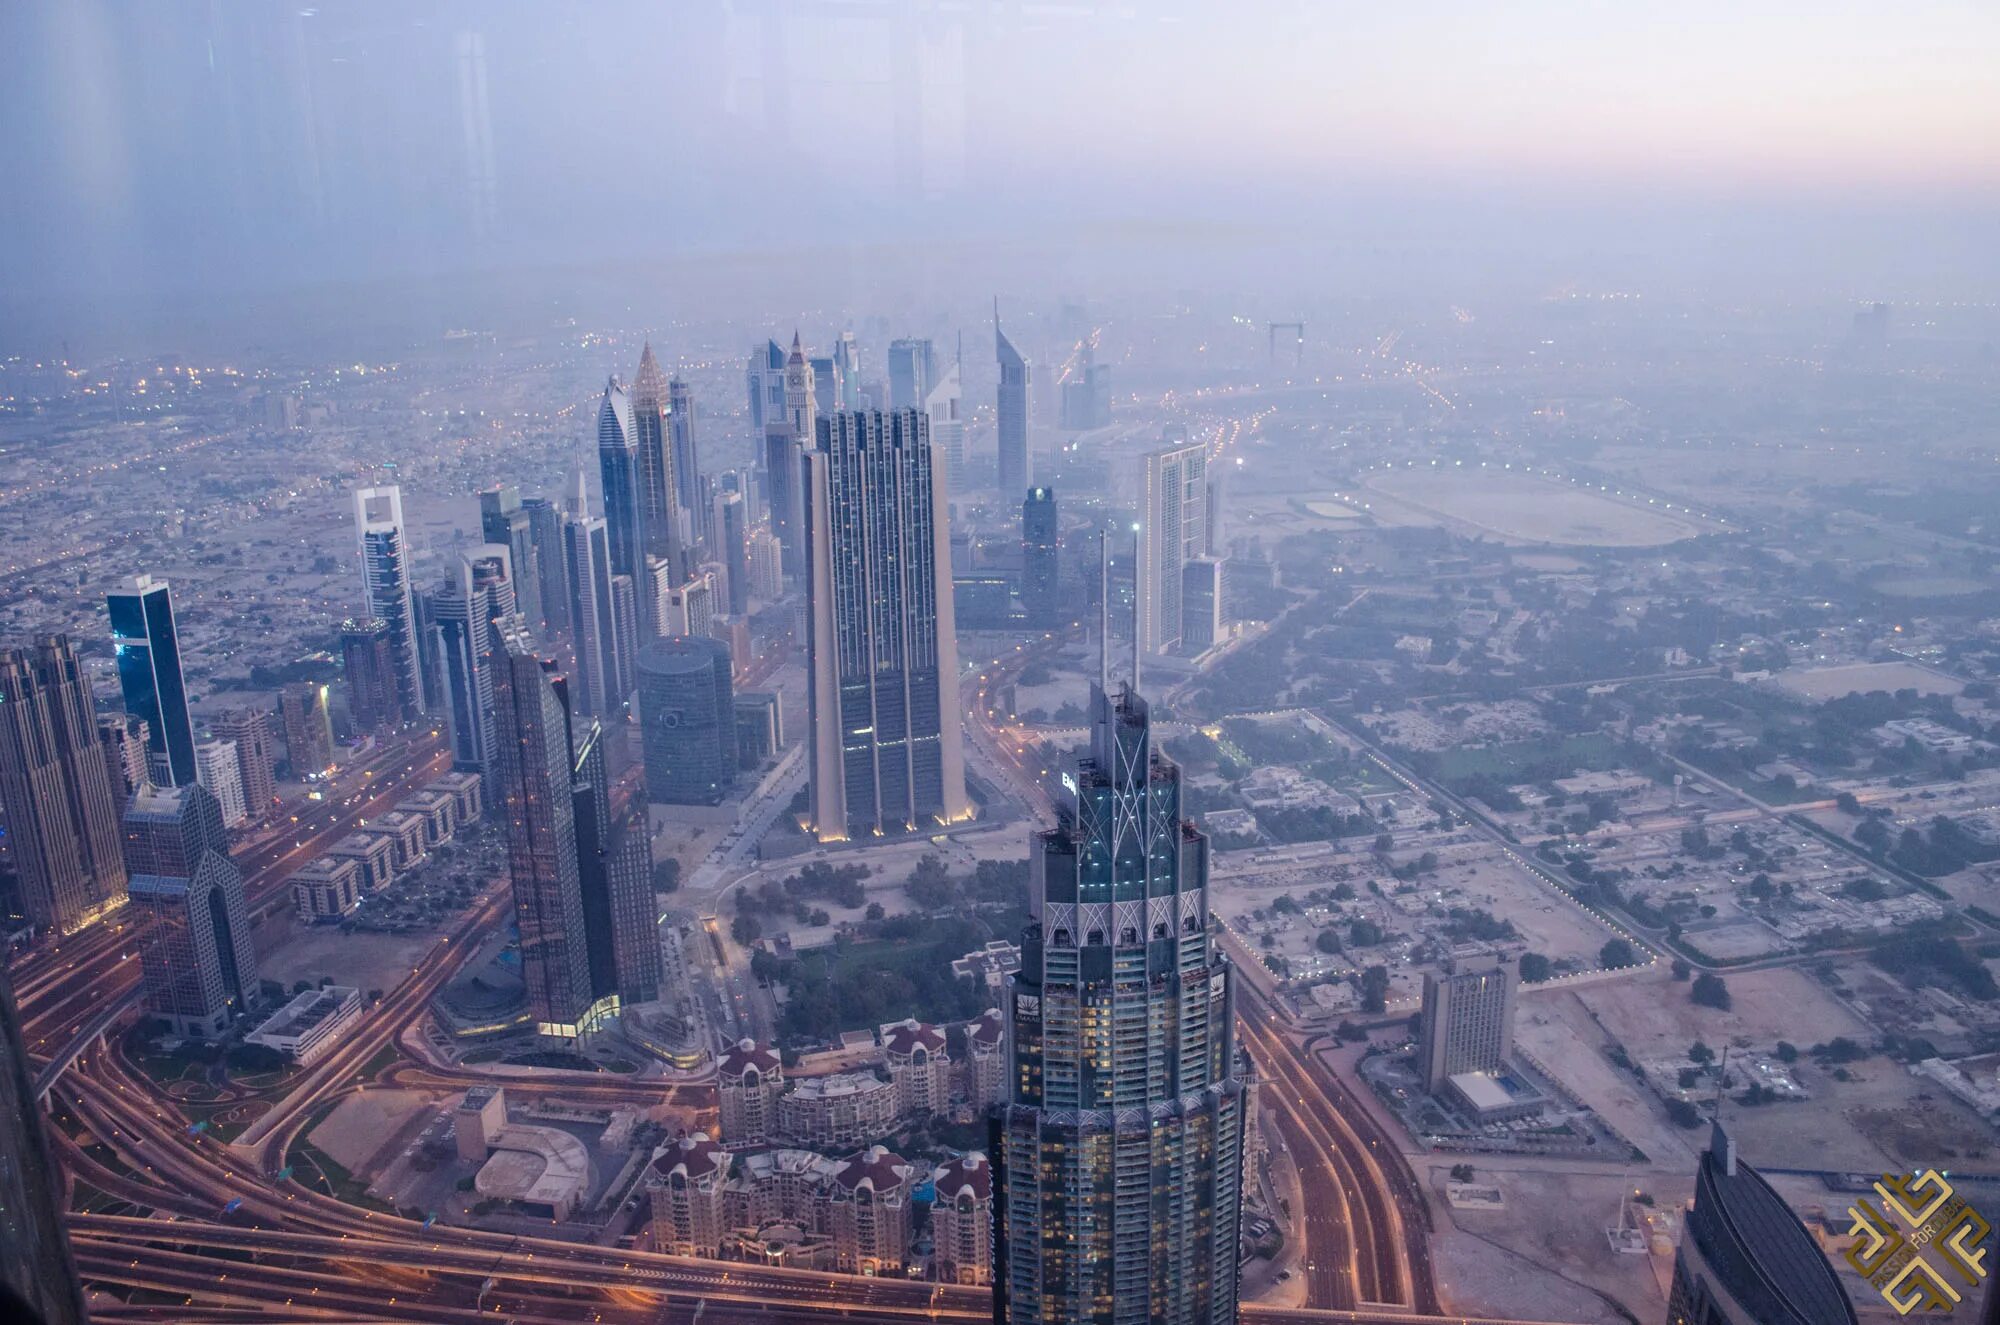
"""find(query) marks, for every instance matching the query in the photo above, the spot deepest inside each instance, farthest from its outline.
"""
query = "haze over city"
(1104, 663)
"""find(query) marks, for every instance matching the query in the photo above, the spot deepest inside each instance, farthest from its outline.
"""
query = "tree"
(1681, 968)
(1327, 941)
(1846, 803)
(1534, 968)
(1383, 842)
(1710, 992)
(1375, 989)
(1461, 1173)
(1615, 954)
(1364, 933)
(1700, 1053)
(745, 929)
(1787, 1052)
(667, 875)
(1683, 1114)
(874, 911)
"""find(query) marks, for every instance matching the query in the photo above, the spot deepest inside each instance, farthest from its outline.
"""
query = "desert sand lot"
(361, 960)
(1860, 678)
(1520, 509)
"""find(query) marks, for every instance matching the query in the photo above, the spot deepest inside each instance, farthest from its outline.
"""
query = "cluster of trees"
(1937, 961)
(1946, 849)
(852, 985)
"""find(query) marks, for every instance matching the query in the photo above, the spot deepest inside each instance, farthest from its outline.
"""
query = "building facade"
(962, 1220)
(1041, 550)
(882, 649)
(1173, 530)
(123, 740)
(1011, 415)
(147, 644)
(308, 724)
(686, 1185)
(197, 967)
(687, 719)
(870, 1212)
(256, 757)
(1118, 1157)
(61, 815)
(35, 1263)
(217, 768)
(386, 587)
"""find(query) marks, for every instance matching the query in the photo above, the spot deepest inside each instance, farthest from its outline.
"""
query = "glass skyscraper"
(687, 715)
(35, 1264)
(618, 471)
(386, 587)
(883, 647)
(149, 673)
(1041, 545)
(658, 486)
(1011, 413)
(1118, 1156)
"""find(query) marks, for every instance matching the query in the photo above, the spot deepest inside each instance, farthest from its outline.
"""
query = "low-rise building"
(783, 1186)
(406, 834)
(686, 1184)
(845, 1109)
(312, 1023)
(962, 1221)
(542, 1171)
(870, 1212)
(326, 889)
(374, 859)
(438, 811)
(919, 1067)
(464, 790)
(478, 1118)
(990, 965)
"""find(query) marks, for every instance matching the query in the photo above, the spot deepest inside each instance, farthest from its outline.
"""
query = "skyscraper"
(615, 875)
(35, 1263)
(216, 768)
(369, 666)
(944, 404)
(1011, 414)
(149, 673)
(593, 629)
(882, 648)
(732, 536)
(1173, 530)
(62, 822)
(847, 371)
(912, 372)
(1468, 1018)
(308, 728)
(123, 738)
(256, 756)
(766, 379)
(465, 608)
(658, 486)
(1118, 1156)
(198, 970)
(386, 587)
(687, 715)
(1041, 545)
(504, 521)
(618, 473)
(682, 445)
(785, 438)
(545, 531)
(1744, 1258)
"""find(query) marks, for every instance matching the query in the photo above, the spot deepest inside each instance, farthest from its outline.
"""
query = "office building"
(36, 1268)
(687, 717)
(149, 674)
(1173, 530)
(1041, 549)
(750, 1080)
(870, 1212)
(326, 889)
(61, 817)
(386, 587)
(826, 383)
(1011, 414)
(786, 436)
(618, 475)
(912, 373)
(962, 1220)
(1118, 1157)
(197, 968)
(847, 369)
(302, 709)
(615, 873)
(945, 406)
(766, 558)
(367, 662)
(123, 740)
(1468, 1018)
(532, 769)
(594, 630)
(505, 522)
(657, 485)
(256, 757)
(217, 768)
(766, 379)
(882, 648)
(468, 610)
(1744, 1258)
(1203, 604)
(690, 493)
(1086, 392)
(545, 531)
(304, 1029)
(760, 728)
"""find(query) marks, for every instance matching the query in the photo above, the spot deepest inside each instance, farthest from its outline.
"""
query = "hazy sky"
(161, 154)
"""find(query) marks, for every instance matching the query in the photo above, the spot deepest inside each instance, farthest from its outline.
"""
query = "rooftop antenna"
(1104, 613)
(1137, 589)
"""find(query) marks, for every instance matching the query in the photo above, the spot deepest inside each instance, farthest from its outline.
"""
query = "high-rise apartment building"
(945, 406)
(594, 630)
(386, 587)
(1011, 414)
(685, 448)
(123, 739)
(658, 484)
(62, 820)
(465, 608)
(368, 664)
(148, 647)
(198, 970)
(786, 436)
(1468, 1018)
(882, 649)
(505, 522)
(1118, 1157)
(35, 1264)
(302, 710)
(1041, 548)
(749, 1080)
(1173, 530)
(1744, 1258)
(868, 1212)
(962, 1220)
(687, 718)
(256, 757)
(545, 531)
(217, 768)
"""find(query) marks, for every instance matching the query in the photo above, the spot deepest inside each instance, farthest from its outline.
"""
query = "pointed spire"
(1104, 613)
(650, 380)
(578, 493)
(798, 351)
